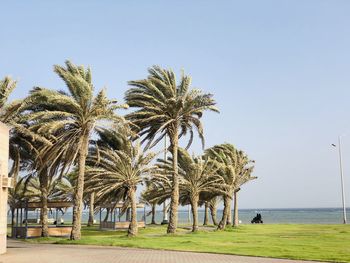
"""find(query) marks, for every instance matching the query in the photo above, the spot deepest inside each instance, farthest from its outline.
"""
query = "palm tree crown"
(165, 106)
(73, 115)
(235, 170)
(7, 85)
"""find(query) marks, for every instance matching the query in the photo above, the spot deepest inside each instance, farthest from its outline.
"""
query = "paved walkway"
(20, 252)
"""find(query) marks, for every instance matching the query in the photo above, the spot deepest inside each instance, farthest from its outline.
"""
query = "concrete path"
(20, 252)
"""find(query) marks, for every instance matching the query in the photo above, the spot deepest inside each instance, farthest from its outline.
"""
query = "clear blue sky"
(280, 72)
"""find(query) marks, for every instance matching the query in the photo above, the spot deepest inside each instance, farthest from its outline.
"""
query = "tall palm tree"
(25, 147)
(24, 143)
(165, 107)
(119, 172)
(234, 164)
(73, 116)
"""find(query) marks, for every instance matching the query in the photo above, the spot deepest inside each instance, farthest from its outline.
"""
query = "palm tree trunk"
(12, 222)
(91, 209)
(153, 222)
(106, 216)
(79, 189)
(206, 214)
(229, 215)
(133, 229)
(194, 206)
(44, 215)
(43, 179)
(223, 221)
(235, 209)
(165, 213)
(175, 187)
(127, 214)
(213, 211)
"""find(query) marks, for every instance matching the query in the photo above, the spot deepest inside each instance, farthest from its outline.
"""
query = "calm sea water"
(270, 216)
(278, 216)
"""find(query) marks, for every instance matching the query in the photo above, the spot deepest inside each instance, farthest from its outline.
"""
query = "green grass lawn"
(309, 242)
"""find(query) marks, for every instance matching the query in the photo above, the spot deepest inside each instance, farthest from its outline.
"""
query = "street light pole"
(341, 178)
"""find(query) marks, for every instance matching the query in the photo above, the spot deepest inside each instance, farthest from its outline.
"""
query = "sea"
(269, 216)
(274, 216)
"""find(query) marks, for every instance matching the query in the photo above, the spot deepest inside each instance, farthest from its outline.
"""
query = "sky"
(279, 71)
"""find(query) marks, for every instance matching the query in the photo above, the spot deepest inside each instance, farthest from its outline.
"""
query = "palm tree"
(24, 143)
(164, 107)
(73, 116)
(118, 173)
(234, 164)
(197, 175)
(116, 139)
(25, 147)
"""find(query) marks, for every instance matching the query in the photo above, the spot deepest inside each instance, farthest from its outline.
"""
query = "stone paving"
(20, 252)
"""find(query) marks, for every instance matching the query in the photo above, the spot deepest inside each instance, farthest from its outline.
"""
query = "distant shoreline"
(276, 209)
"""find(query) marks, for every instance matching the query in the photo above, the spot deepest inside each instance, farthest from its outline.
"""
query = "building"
(5, 183)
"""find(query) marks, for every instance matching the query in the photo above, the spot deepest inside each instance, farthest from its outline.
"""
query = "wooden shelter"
(28, 228)
(116, 220)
